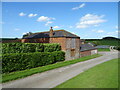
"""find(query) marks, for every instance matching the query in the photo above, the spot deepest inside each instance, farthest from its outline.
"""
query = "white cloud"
(52, 18)
(80, 6)
(22, 14)
(73, 33)
(98, 31)
(78, 25)
(90, 20)
(32, 15)
(16, 29)
(24, 33)
(47, 23)
(44, 19)
(56, 27)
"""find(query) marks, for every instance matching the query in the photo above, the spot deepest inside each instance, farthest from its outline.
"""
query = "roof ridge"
(45, 32)
(70, 33)
(64, 33)
(53, 31)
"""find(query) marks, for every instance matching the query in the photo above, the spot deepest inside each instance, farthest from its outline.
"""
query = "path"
(52, 78)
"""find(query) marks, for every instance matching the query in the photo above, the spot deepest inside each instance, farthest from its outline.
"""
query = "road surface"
(52, 78)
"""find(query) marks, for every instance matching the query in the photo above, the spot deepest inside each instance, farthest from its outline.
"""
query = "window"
(72, 52)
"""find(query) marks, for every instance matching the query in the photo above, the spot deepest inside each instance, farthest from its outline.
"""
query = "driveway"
(52, 78)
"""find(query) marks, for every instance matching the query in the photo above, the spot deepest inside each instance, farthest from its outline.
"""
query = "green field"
(103, 49)
(105, 42)
(21, 74)
(104, 75)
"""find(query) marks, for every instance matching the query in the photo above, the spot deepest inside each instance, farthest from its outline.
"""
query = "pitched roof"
(91, 43)
(56, 33)
(85, 47)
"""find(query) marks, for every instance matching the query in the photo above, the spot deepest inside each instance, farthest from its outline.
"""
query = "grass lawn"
(104, 75)
(20, 74)
(103, 49)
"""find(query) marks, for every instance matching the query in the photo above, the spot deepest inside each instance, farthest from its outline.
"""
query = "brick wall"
(39, 40)
(85, 53)
(60, 40)
(69, 45)
(11, 41)
(88, 52)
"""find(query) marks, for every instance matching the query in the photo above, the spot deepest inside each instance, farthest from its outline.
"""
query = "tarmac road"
(52, 78)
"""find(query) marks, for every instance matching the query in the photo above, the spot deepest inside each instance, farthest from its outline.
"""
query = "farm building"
(70, 43)
(87, 49)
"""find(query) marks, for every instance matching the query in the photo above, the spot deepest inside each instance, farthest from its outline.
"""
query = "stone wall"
(72, 48)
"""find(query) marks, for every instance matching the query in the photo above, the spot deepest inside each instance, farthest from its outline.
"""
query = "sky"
(89, 20)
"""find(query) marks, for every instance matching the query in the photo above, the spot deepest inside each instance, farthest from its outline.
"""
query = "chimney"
(51, 32)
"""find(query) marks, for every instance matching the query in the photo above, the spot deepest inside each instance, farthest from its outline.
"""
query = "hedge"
(51, 47)
(29, 47)
(21, 61)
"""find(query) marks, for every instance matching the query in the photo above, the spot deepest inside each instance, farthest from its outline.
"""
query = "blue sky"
(85, 19)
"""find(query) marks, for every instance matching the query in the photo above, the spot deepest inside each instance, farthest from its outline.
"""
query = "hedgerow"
(51, 47)
(21, 61)
(29, 47)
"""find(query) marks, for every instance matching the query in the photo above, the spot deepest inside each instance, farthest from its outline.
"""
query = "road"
(52, 78)
(112, 48)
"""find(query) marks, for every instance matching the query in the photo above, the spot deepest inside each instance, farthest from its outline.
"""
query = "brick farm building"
(70, 43)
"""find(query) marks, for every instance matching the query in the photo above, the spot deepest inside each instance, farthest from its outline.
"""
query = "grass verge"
(104, 75)
(103, 49)
(21, 74)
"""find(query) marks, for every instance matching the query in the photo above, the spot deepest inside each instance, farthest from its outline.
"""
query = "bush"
(29, 47)
(51, 47)
(21, 61)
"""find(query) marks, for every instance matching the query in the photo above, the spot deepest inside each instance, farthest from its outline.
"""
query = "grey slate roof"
(56, 33)
(92, 44)
(85, 47)
(102, 46)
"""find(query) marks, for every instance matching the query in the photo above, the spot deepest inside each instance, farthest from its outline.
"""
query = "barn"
(70, 43)
(87, 49)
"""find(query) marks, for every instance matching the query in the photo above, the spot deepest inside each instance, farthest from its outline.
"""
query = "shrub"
(59, 56)
(51, 47)
(29, 47)
(21, 61)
